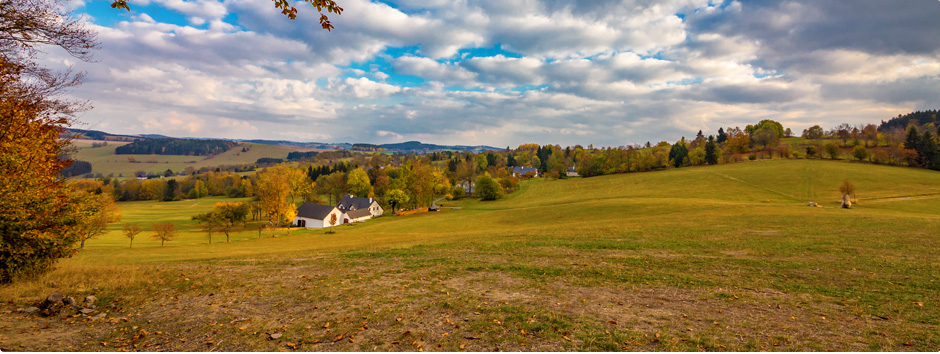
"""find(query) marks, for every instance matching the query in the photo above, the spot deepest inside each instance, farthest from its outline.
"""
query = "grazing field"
(726, 257)
(104, 161)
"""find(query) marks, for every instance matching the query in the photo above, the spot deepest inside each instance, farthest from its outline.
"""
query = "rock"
(30, 309)
(99, 316)
(86, 311)
(274, 336)
(69, 301)
(812, 204)
(53, 299)
(90, 300)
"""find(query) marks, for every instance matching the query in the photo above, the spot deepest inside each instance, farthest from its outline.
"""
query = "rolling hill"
(726, 257)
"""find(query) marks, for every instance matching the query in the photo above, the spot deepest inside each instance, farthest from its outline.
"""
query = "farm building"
(316, 216)
(520, 171)
(572, 172)
(350, 203)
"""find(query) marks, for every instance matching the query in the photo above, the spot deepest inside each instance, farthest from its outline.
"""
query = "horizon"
(601, 73)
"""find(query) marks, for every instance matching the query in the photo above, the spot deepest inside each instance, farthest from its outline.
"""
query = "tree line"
(174, 146)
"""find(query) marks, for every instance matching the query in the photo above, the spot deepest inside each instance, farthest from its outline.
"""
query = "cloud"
(501, 73)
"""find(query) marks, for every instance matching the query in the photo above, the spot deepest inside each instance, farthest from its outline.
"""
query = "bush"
(752, 157)
(488, 189)
(457, 193)
(859, 152)
(810, 152)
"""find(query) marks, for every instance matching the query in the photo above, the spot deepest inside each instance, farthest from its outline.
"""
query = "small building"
(351, 203)
(468, 188)
(317, 216)
(520, 171)
(572, 172)
(358, 215)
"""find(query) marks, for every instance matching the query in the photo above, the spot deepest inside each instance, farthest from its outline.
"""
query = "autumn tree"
(832, 149)
(209, 221)
(396, 198)
(163, 232)
(96, 212)
(37, 219)
(131, 231)
(357, 183)
(274, 189)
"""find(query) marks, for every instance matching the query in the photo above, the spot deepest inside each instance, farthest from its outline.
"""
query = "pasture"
(723, 258)
(104, 161)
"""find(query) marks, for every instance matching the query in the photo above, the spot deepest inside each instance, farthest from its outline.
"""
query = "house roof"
(314, 211)
(358, 213)
(352, 203)
(524, 170)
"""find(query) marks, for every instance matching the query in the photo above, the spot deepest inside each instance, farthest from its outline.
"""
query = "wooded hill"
(173, 146)
(919, 117)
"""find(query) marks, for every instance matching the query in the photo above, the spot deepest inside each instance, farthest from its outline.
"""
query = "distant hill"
(419, 147)
(919, 117)
(100, 135)
(311, 145)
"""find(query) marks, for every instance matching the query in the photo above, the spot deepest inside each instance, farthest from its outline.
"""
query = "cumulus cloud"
(607, 72)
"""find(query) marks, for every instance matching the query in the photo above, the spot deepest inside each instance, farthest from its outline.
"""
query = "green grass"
(104, 161)
(725, 257)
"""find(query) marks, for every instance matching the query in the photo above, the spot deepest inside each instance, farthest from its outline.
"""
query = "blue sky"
(607, 73)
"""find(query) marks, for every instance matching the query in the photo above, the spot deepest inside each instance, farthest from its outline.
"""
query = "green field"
(725, 258)
(104, 161)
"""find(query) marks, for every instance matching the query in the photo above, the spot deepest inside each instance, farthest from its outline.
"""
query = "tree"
(814, 132)
(37, 220)
(273, 191)
(912, 140)
(171, 191)
(163, 232)
(767, 137)
(332, 223)
(847, 189)
(358, 184)
(832, 149)
(131, 231)
(711, 153)
(210, 221)
(327, 6)
(487, 188)
(396, 198)
(721, 136)
(928, 151)
(859, 152)
(97, 211)
(869, 133)
(678, 154)
(772, 125)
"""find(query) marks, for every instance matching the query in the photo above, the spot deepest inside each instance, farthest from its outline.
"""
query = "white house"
(350, 203)
(317, 216)
(520, 171)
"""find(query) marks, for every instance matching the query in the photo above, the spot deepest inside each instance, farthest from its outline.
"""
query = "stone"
(86, 311)
(275, 335)
(68, 300)
(812, 204)
(99, 316)
(53, 299)
(30, 309)
(90, 300)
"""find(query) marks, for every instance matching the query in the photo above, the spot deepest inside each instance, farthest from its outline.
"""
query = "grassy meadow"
(719, 258)
(104, 161)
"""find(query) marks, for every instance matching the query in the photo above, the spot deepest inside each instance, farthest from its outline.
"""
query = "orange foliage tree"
(38, 218)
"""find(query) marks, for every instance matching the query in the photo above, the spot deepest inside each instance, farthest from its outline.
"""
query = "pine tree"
(928, 152)
(711, 151)
(912, 141)
(721, 135)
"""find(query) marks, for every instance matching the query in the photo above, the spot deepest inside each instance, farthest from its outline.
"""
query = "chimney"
(370, 200)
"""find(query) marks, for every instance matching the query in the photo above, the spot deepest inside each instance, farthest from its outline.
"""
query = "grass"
(710, 258)
(104, 161)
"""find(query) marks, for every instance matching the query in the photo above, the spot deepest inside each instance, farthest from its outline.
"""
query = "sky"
(504, 73)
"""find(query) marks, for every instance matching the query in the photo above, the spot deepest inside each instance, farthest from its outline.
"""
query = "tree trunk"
(82, 244)
(132, 243)
(226, 236)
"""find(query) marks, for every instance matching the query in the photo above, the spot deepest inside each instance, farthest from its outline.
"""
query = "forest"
(174, 146)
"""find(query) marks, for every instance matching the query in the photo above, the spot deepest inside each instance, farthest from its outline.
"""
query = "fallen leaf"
(243, 328)
(612, 322)
(327, 325)
(566, 338)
